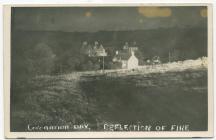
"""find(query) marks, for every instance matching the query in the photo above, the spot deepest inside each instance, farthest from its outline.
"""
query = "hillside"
(53, 52)
(183, 41)
(172, 97)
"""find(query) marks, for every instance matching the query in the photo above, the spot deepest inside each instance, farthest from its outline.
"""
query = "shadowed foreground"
(154, 99)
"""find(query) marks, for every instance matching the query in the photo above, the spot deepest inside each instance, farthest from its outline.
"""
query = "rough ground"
(178, 96)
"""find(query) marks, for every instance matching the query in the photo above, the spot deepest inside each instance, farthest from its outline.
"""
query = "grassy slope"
(157, 98)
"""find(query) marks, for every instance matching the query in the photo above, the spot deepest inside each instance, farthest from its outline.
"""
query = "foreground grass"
(168, 97)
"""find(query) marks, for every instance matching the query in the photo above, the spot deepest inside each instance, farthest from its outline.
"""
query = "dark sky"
(92, 19)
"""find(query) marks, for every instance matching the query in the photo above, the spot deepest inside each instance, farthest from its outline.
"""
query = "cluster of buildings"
(126, 56)
(96, 50)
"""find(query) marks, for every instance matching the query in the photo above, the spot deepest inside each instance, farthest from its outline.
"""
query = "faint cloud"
(155, 11)
(203, 12)
(88, 14)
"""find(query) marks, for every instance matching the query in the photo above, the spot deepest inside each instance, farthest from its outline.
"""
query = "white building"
(128, 60)
(132, 62)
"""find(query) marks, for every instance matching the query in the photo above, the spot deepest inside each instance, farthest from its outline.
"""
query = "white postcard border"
(151, 134)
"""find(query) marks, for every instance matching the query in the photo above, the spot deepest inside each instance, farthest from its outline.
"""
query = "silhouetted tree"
(41, 59)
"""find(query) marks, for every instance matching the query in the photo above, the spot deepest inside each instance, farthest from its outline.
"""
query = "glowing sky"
(92, 19)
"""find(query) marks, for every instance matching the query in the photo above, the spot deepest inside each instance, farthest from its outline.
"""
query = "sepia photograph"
(116, 69)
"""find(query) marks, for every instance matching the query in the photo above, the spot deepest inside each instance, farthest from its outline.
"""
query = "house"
(100, 51)
(127, 60)
(95, 51)
(127, 57)
(132, 62)
(131, 48)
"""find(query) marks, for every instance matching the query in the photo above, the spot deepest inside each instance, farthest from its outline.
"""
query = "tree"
(88, 66)
(41, 59)
(140, 56)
